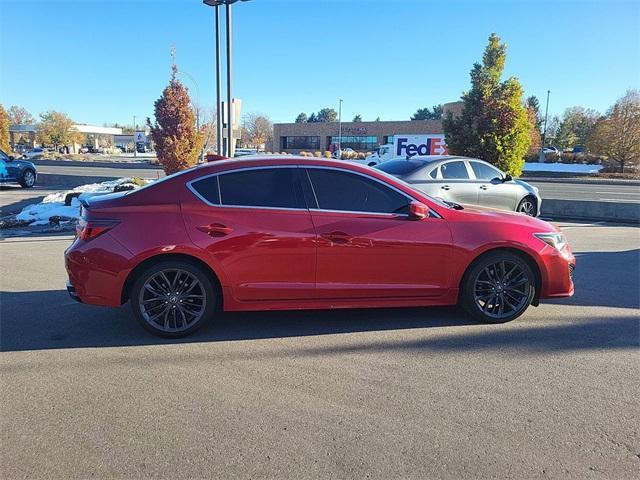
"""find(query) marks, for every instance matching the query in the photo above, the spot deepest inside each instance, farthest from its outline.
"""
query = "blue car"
(13, 170)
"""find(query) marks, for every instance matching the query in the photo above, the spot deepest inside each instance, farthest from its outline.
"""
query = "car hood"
(491, 215)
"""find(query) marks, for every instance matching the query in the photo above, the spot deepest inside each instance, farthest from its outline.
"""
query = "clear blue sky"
(104, 61)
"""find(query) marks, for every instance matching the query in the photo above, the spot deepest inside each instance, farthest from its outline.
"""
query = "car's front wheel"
(498, 288)
(527, 206)
(173, 298)
(28, 179)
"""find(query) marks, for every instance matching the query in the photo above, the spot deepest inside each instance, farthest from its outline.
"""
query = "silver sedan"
(465, 180)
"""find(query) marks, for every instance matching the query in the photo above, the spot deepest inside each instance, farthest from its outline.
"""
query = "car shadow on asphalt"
(49, 320)
(606, 279)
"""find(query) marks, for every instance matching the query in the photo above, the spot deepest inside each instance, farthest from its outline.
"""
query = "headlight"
(556, 240)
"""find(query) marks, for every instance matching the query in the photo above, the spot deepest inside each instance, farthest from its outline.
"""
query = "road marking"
(618, 200)
(620, 193)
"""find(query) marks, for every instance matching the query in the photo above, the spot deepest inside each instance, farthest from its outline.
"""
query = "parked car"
(547, 150)
(34, 153)
(467, 181)
(13, 170)
(279, 233)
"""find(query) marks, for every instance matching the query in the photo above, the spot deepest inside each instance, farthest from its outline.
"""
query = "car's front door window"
(485, 172)
(339, 190)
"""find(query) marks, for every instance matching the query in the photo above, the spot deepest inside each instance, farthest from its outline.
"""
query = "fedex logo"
(411, 145)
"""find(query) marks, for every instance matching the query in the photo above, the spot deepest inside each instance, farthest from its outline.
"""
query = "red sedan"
(299, 233)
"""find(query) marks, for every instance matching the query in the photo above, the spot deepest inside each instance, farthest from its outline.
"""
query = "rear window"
(400, 167)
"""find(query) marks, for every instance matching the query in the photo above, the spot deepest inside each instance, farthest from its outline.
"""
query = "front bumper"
(72, 292)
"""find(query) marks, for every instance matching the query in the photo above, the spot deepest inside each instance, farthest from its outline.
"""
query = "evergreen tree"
(174, 133)
(327, 115)
(302, 118)
(312, 118)
(357, 118)
(426, 114)
(494, 125)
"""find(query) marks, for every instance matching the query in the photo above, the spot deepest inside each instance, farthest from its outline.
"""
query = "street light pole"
(135, 147)
(340, 127)
(544, 132)
(230, 146)
(218, 86)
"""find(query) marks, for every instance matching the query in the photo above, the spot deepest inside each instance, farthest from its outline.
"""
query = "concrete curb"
(68, 181)
(592, 211)
(579, 181)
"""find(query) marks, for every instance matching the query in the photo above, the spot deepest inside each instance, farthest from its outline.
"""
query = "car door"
(8, 170)
(456, 183)
(255, 224)
(367, 246)
(493, 191)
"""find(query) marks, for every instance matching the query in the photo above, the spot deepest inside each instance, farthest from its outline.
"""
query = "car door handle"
(483, 187)
(216, 230)
(445, 187)
(336, 237)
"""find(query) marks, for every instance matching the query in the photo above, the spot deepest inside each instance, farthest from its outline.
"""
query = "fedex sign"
(411, 145)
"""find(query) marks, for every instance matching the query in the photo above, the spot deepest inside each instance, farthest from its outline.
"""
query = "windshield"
(401, 167)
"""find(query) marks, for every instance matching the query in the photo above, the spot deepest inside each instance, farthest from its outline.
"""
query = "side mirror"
(507, 178)
(418, 211)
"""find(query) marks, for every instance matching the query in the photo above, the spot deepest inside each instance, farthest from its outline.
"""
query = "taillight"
(89, 229)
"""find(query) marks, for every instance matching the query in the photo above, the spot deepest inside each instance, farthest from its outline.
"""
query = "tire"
(173, 298)
(498, 287)
(27, 179)
(528, 206)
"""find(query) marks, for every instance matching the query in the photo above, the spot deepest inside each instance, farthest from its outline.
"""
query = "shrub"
(317, 154)
(327, 154)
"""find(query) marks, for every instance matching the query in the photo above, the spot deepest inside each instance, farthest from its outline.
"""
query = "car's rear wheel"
(173, 298)
(28, 179)
(498, 288)
(527, 206)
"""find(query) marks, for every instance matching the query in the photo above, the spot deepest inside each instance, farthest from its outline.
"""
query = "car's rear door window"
(261, 187)
(345, 191)
(207, 189)
(454, 171)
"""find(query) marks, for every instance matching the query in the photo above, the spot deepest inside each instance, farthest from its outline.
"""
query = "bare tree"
(617, 134)
(258, 130)
(20, 116)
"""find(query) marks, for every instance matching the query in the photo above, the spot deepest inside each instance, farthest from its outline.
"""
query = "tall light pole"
(544, 132)
(229, 148)
(340, 127)
(218, 87)
(135, 147)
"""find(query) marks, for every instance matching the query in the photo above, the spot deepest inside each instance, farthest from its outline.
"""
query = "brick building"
(360, 136)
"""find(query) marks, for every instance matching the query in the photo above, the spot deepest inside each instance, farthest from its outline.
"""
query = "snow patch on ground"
(561, 167)
(53, 205)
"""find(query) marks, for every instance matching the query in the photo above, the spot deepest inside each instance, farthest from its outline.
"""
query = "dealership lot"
(383, 393)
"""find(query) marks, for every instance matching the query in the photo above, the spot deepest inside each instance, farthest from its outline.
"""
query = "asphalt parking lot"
(402, 393)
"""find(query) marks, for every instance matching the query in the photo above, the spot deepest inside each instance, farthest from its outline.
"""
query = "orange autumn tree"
(174, 132)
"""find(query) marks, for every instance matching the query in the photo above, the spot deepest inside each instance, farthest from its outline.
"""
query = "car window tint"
(400, 167)
(434, 173)
(272, 187)
(344, 191)
(454, 170)
(484, 172)
(208, 189)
